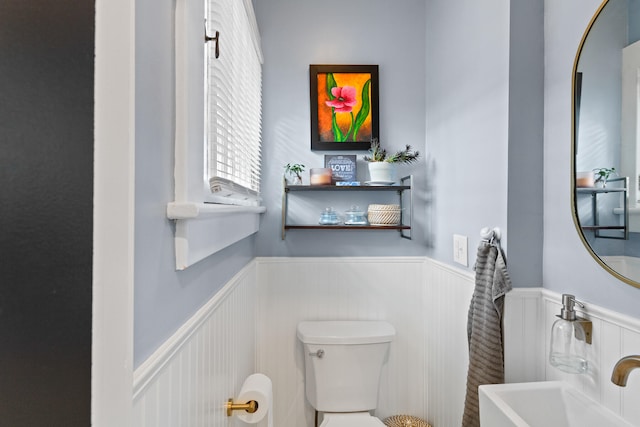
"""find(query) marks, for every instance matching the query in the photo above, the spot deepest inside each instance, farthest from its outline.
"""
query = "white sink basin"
(542, 404)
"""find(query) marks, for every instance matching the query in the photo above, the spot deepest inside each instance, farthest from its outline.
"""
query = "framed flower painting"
(344, 106)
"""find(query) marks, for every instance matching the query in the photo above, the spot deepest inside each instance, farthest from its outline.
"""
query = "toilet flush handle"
(319, 354)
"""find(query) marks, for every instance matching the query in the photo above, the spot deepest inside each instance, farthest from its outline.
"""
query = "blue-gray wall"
(599, 132)
(601, 68)
(467, 119)
(484, 127)
(164, 298)
(568, 267)
(297, 34)
(460, 81)
(446, 71)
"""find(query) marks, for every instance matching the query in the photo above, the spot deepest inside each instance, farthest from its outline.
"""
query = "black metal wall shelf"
(597, 226)
(400, 189)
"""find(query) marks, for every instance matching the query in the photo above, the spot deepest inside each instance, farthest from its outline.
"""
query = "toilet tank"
(343, 362)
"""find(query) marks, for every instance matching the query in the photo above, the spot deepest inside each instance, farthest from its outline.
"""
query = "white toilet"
(343, 361)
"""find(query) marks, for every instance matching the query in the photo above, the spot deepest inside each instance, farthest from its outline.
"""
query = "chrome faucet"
(623, 368)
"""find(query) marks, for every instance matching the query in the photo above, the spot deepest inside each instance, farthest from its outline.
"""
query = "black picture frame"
(325, 136)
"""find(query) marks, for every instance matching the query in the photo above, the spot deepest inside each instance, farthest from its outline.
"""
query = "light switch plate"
(460, 250)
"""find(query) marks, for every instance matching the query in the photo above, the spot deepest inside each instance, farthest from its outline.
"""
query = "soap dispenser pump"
(569, 337)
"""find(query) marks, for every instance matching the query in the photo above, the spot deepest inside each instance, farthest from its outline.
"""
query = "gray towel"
(484, 327)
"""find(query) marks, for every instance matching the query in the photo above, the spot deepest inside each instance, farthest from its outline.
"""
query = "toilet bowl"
(343, 363)
(354, 419)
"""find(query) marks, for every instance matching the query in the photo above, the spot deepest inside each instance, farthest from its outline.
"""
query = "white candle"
(320, 176)
(584, 179)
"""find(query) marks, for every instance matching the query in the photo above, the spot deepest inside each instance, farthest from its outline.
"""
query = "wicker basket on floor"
(384, 214)
(405, 421)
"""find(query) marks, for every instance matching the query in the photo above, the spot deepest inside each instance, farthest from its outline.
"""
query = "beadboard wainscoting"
(187, 381)
(250, 326)
(529, 315)
(523, 336)
(427, 302)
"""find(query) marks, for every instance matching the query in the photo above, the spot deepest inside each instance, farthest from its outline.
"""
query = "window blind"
(233, 103)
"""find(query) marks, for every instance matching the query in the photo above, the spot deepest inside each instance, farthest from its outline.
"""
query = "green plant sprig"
(604, 173)
(404, 156)
(294, 169)
(376, 152)
(379, 154)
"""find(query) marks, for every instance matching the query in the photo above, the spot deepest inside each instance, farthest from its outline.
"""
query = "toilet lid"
(357, 419)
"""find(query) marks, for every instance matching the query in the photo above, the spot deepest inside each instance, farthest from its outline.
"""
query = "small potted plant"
(603, 174)
(295, 171)
(382, 164)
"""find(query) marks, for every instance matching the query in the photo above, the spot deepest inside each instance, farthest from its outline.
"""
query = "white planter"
(382, 172)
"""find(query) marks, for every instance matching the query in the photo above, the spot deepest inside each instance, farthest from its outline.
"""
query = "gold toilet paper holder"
(250, 407)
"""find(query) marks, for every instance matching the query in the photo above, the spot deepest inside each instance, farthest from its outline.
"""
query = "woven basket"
(405, 421)
(384, 214)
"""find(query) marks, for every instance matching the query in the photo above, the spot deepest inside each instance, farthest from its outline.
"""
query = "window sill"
(203, 229)
(176, 210)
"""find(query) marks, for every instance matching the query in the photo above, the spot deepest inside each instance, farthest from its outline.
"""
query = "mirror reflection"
(606, 142)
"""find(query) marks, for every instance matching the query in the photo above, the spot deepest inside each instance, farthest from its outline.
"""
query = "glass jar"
(329, 217)
(355, 216)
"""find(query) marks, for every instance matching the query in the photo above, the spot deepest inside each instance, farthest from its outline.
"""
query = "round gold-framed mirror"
(605, 148)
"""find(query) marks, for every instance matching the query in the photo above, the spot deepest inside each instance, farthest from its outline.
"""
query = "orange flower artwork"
(344, 107)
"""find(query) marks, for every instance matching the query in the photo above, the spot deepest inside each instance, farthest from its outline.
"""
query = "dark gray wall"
(634, 18)
(526, 126)
(46, 179)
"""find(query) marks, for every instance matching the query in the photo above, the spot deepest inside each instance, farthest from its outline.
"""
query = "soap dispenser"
(569, 337)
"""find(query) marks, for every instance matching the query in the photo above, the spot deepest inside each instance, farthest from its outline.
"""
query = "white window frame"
(233, 100)
(201, 228)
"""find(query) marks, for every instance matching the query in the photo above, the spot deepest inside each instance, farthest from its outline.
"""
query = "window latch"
(207, 38)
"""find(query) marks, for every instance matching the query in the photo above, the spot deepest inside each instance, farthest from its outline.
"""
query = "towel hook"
(491, 235)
